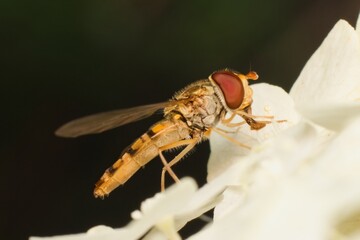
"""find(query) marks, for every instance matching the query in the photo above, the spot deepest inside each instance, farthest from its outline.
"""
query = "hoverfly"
(189, 118)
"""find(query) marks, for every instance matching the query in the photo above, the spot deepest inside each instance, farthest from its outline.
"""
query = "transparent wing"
(104, 121)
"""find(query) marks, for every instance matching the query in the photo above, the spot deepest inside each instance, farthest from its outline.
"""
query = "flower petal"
(154, 211)
(269, 100)
(332, 74)
(334, 117)
(305, 204)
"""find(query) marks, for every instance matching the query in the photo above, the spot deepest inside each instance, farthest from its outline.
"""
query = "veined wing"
(104, 121)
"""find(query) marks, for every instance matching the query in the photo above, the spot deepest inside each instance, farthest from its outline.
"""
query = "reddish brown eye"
(231, 87)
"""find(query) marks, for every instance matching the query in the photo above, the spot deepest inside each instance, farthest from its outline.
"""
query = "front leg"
(246, 114)
(227, 121)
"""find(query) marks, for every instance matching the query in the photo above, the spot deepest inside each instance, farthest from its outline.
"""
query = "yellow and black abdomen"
(139, 153)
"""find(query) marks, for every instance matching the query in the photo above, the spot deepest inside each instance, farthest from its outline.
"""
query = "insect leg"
(167, 165)
(223, 133)
(249, 118)
(248, 114)
(226, 120)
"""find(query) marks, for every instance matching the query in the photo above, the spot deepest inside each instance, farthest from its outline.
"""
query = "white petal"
(332, 74)
(269, 100)
(305, 204)
(164, 229)
(331, 116)
(271, 161)
(209, 195)
(155, 211)
(100, 229)
(160, 207)
(286, 184)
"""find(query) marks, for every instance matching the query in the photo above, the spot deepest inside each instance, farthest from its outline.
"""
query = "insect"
(189, 117)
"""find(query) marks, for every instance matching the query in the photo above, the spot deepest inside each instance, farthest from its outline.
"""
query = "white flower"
(303, 183)
(301, 178)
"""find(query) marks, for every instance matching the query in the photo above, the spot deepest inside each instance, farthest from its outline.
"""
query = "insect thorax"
(198, 105)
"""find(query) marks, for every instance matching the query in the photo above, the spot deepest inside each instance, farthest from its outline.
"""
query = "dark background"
(60, 60)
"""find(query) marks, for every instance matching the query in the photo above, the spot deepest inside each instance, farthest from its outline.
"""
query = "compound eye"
(231, 87)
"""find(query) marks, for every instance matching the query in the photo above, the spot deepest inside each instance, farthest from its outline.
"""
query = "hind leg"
(190, 144)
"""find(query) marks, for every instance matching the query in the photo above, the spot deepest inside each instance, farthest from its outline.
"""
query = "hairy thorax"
(202, 107)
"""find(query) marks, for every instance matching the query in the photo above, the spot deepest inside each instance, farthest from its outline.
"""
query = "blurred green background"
(65, 59)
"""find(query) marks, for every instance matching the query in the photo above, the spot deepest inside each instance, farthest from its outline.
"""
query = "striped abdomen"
(143, 150)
